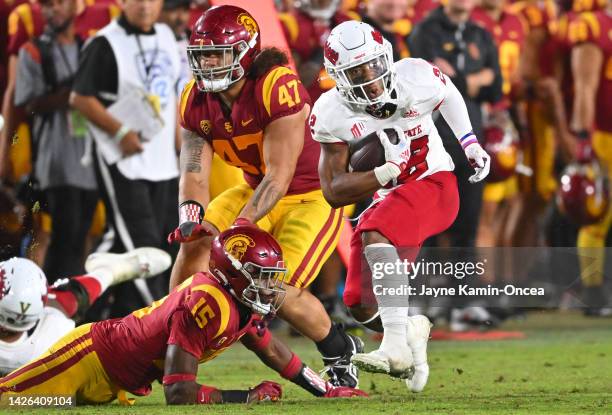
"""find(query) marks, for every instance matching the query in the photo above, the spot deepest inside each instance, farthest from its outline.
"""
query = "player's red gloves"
(344, 392)
(266, 391)
(243, 222)
(190, 228)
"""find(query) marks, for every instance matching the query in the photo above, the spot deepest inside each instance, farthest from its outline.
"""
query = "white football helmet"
(352, 46)
(318, 9)
(23, 293)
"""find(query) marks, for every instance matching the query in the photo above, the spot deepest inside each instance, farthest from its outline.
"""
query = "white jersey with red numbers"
(421, 88)
(52, 326)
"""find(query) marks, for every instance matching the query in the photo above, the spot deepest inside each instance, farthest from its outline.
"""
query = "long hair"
(267, 58)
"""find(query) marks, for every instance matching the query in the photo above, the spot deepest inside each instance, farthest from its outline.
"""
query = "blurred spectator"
(47, 66)
(132, 62)
(467, 54)
(24, 23)
(382, 15)
(176, 15)
(306, 29)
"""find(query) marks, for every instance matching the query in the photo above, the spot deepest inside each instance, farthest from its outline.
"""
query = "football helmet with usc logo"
(360, 60)
(250, 262)
(223, 44)
(584, 194)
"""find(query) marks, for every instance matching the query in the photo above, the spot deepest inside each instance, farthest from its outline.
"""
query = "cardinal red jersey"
(509, 33)
(199, 315)
(27, 22)
(596, 28)
(238, 137)
(6, 7)
(306, 38)
(581, 6)
(540, 15)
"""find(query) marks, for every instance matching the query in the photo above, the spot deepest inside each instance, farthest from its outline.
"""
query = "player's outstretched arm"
(282, 145)
(195, 161)
(276, 355)
(340, 187)
(180, 386)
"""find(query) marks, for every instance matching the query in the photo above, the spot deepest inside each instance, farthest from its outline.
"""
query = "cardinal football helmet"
(250, 262)
(584, 194)
(232, 35)
(352, 46)
(23, 294)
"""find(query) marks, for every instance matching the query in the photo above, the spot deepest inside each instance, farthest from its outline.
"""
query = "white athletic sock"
(393, 309)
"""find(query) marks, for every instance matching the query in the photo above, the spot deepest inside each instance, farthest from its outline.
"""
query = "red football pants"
(406, 217)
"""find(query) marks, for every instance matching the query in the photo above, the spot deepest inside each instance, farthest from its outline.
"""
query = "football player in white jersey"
(414, 191)
(33, 316)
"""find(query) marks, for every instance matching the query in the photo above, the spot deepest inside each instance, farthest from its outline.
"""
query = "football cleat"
(341, 371)
(419, 328)
(138, 263)
(378, 361)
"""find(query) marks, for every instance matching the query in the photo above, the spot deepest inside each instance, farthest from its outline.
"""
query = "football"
(367, 153)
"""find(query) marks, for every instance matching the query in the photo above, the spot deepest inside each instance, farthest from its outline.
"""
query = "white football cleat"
(379, 361)
(419, 329)
(138, 263)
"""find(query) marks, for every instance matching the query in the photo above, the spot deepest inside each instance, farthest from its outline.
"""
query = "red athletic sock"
(67, 295)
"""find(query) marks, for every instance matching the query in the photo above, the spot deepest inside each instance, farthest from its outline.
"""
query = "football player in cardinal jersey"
(246, 105)
(415, 192)
(592, 70)
(33, 317)
(197, 321)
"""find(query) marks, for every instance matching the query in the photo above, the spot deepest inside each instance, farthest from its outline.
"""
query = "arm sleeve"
(455, 113)
(184, 332)
(492, 93)
(30, 82)
(97, 69)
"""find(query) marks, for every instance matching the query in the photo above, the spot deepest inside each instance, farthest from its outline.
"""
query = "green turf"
(563, 366)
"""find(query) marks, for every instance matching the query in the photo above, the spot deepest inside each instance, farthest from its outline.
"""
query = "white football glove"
(396, 155)
(480, 160)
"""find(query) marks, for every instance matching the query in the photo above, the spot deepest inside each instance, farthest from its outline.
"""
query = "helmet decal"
(237, 245)
(331, 54)
(5, 285)
(249, 23)
(377, 36)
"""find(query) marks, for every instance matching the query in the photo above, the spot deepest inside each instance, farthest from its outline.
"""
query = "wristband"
(204, 394)
(122, 132)
(191, 211)
(387, 172)
(466, 140)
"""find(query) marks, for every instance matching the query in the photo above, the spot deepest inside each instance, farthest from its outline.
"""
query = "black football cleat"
(340, 370)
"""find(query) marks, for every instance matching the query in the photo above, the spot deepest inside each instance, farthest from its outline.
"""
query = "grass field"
(563, 366)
